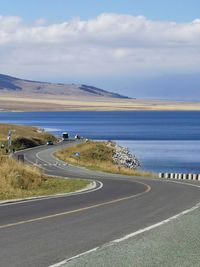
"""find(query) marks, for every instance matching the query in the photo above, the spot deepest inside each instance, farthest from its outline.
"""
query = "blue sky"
(59, 10)
(140, 48)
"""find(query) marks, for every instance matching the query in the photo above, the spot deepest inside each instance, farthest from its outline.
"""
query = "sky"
(139, 48)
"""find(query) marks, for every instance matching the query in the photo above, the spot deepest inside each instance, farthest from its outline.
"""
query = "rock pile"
(123, 158)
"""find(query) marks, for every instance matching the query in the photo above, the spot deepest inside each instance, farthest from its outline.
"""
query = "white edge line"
(51, 164)
(38, 157)
(34, 165)
(155, 225)
(126, 237)
(72, 258)
(181, 182)
(27, 149)
(41, 198)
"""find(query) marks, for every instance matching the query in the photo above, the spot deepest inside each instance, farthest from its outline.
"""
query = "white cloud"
(109, 44)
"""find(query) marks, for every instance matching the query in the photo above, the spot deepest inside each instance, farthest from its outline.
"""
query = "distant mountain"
(8, 83)
(175, 87)
(12, 84)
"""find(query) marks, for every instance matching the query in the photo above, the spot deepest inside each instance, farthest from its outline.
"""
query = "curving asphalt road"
(45, 231)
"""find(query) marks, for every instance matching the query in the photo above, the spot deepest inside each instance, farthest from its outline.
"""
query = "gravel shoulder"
(173, 244)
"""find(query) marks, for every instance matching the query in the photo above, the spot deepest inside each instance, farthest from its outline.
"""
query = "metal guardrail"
(180, 176)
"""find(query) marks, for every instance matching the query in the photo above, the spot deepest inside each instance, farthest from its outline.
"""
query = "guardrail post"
(179, 176)
(20, 157)
(166, 175)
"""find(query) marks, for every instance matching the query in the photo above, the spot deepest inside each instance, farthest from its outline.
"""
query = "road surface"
(43, 232)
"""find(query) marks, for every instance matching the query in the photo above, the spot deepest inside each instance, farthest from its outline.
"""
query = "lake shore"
(163, 141)
(103, 156)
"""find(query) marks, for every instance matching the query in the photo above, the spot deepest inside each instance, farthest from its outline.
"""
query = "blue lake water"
(163, 141)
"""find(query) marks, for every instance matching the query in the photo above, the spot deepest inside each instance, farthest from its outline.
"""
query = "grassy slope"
(26, 131)
(24, 136)
(96, 156)
(18, 180)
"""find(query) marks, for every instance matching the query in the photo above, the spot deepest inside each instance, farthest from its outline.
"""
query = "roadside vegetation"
(23, 137)
(18, 180)
(95, 156)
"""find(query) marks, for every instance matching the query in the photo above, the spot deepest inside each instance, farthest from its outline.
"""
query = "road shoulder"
(173, 244)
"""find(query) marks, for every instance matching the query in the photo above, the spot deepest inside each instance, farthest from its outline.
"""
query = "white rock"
(123, 158)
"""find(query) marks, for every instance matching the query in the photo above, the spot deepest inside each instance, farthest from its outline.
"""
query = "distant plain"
(24, 95)
(10, 101)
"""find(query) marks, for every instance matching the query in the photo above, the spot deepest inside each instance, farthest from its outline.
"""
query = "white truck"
(65, 136)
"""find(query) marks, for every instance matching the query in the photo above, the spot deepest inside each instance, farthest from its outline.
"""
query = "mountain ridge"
(13, 84)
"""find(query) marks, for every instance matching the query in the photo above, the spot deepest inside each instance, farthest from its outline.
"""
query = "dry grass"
(24, 136)
(27, 131)
(18, 180)
(47, 102)
(96, 156)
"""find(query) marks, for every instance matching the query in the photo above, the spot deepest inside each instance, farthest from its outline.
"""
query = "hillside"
(12, 84)
(23, 95)
(23, 136)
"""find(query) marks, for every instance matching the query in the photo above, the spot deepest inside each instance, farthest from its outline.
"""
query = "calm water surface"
(163, 141)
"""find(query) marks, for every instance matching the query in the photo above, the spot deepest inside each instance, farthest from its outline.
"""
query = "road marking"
(33, 163)
(47, 163)
(126, 237)
(75, 257)
(51, 164)
(42, 198)
(183, 183)
(38, 157)
(148, 188)
(155, 225)
(59, 167)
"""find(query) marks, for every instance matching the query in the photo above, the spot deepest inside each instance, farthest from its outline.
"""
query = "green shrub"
(23, 142)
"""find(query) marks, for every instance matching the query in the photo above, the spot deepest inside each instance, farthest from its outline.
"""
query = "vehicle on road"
(77, 136)
(65, 136)
(49, 143)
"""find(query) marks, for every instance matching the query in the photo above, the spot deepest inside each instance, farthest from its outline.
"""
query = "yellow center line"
(148, 188)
